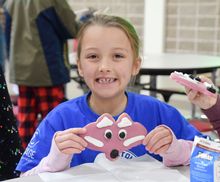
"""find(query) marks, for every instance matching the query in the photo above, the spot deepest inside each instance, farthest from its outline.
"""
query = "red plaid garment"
(33, 101)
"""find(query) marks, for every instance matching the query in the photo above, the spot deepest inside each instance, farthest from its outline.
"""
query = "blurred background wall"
(129, 9)
(192, 26)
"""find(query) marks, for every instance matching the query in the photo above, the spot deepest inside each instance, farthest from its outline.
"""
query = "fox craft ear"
(124, 120)
(113, 137)
(105, 120)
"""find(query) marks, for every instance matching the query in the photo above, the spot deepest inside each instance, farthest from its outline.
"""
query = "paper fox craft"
(113, 137)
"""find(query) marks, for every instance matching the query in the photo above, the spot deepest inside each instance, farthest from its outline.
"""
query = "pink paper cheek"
(93, 133)
(135, 136)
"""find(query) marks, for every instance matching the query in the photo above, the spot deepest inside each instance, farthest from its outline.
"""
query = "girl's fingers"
(71, 151)
(69, 141)
(71, 144)
(158, 139)
(162, 149)
(72, 133)
(151, 135)
(72, 137)
(72, 130)
(159, 143)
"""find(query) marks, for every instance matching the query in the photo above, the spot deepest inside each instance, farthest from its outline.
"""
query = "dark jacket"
(36, 35)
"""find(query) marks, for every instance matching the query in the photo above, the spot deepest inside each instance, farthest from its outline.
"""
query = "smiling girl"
(108, 57)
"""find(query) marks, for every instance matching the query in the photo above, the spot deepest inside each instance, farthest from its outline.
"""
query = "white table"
(141, 169)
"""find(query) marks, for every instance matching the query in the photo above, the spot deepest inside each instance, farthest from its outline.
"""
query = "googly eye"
(198, 79)
(122, 134)
(211, 89)
(108, 134)
(191, 76)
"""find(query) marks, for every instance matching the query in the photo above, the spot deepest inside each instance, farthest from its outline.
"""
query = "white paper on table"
(140, 169)
(143, 169)
(84, 171)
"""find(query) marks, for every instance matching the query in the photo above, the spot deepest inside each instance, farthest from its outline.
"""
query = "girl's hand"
(158, 140)
(69, 141)
(201, 100)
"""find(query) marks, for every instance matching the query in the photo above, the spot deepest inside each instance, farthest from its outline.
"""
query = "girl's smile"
(105, 80)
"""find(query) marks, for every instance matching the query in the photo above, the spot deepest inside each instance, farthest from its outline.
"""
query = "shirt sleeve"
(40, 144)
(178, 153)
(54, 162)
(214, 115)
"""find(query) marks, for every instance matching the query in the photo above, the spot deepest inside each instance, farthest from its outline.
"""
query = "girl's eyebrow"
(116, 48)
(123, 49)
(87, 48)
(90, 49)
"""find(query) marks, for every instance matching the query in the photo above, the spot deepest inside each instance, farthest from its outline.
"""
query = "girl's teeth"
(106, 80)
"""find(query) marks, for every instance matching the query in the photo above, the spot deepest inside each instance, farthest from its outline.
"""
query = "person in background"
(107, 65)
(210, 105)
(10, 143)
(36, 36)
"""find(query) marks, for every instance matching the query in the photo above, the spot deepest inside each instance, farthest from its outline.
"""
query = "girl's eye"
(118, 56)
(91, 56)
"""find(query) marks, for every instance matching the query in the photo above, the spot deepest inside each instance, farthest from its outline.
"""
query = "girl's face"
(106, 61)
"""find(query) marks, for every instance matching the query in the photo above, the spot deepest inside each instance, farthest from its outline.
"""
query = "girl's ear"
(79, 67)
(136, 66)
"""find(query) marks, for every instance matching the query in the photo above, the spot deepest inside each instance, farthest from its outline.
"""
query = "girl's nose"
(105, 65)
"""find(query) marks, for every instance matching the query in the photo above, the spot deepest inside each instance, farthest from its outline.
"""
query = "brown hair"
(111, 21)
